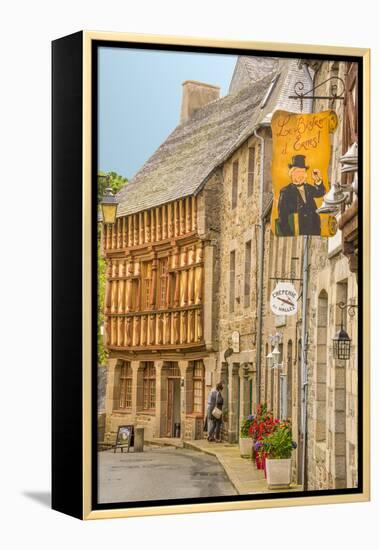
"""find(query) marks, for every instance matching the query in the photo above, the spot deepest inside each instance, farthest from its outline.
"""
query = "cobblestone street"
(160, 473)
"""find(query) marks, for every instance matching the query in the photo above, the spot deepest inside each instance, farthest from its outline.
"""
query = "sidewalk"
(243, 475)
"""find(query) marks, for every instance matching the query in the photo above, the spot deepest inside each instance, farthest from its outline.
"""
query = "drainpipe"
(304, 351)
(260, 270)
(304, 367)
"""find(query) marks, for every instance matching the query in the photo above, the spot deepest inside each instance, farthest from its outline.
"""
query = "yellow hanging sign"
(300, 162)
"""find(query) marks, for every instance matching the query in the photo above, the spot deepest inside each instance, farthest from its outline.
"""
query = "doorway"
(173, 407)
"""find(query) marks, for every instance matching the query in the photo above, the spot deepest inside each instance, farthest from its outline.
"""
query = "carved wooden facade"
(154, 280)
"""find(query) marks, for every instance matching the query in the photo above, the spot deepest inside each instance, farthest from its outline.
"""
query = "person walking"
(214, 413)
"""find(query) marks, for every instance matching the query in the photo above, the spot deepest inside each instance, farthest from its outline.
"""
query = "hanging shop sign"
(283, 300)
(300, 162)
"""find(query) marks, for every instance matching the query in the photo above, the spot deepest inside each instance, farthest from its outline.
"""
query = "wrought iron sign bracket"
(349, 307)
(335, 93)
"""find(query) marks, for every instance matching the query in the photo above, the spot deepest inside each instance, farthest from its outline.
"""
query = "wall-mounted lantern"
(342, 341)
(341, 345)
(109, 206)
(338, 193)
(273, 356)
(332, 200)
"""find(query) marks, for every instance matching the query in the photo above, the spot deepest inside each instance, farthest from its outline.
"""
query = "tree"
(109, 179)
(115, 182)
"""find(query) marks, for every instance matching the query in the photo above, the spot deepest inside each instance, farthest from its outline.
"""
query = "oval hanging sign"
(284, 299)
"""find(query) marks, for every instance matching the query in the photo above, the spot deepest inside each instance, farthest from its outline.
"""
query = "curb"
(163, 444)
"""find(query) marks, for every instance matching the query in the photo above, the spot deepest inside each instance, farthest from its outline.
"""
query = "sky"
(139, 100)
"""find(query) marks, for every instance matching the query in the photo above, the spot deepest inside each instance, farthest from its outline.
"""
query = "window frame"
(149, 387)
(125, 387)
(235, 174)
(251, 158)
(247, 275)
(232, 281)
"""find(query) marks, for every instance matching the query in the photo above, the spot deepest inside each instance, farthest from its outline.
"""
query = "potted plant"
(277, 447)
(245, 441)
(263, 424)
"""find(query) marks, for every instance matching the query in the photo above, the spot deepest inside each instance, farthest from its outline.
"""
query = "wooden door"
(170, 406)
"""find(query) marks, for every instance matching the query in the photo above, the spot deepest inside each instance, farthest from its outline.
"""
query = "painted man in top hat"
(298, 197)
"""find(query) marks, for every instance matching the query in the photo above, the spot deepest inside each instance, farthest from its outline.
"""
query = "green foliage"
(245, 426)
(109, 179)
(278, 443)
(116, 182)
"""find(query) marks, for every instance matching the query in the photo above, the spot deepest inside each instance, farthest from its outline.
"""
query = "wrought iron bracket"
(335, 93)
(349, 307)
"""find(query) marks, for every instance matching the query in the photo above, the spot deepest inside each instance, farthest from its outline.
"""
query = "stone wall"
(333, 459)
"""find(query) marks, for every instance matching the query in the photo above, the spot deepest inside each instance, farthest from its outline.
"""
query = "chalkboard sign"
(124, 438)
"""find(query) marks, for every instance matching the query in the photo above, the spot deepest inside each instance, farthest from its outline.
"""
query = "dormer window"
(270, 90)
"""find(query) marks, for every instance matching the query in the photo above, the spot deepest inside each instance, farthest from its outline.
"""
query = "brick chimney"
(196, 95)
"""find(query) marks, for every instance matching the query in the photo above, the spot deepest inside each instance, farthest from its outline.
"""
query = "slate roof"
(182, 164)
(249, 69)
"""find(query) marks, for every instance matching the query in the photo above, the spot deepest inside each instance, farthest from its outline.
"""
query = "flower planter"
(278, 473)
(245, 445)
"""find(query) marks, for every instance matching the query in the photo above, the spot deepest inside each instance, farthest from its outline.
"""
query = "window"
(198, 387)
(289, 379)
(232, 280)
(163, 279)
(321, 365)
(247, 287)
(125, 396)
(149, 386)
(251, 171)
(235, 184)
(279, 393)
(146, 285)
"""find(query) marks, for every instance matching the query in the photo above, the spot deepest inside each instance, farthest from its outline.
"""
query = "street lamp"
(109, 206)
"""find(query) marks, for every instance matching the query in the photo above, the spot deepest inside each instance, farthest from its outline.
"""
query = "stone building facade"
(333, 390)
(332, 413)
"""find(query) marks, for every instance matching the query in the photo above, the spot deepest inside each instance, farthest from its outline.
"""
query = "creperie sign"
(283, 300)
